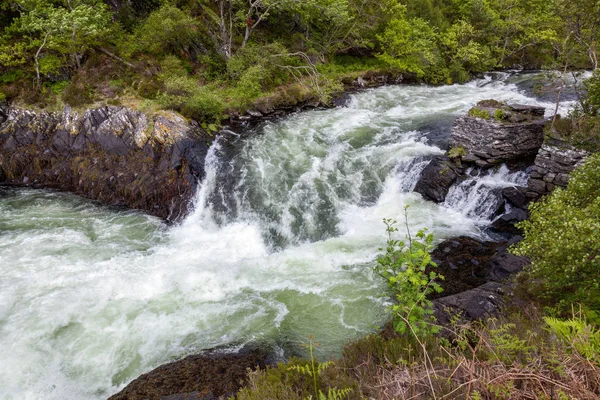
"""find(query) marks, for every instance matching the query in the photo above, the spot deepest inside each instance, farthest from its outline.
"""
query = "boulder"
(115, 155)
(204, 376)
(516, 196)
(506, 223)
(476, 304)
(514, 138)
(437, 178)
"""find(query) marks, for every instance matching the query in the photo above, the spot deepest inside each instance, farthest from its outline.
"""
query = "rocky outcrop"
(496, 133)
(476, 304)
(552, 166)
(437, 178)
(467, 263)
(204, 376)
(115, 155)
(475, 275)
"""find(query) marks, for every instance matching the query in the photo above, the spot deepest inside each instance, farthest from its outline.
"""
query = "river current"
(287, 224)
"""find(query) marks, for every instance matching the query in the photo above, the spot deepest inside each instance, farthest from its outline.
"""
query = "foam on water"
(279, 247)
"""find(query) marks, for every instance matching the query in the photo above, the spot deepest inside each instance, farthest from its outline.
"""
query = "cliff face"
(115, 155)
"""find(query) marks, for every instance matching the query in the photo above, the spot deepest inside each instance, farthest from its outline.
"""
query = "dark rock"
(536, 111)
(111, 154)
(516, 196)
(467, 263)
(506, 222)
(504, 264)
(204, 376)
(478, 303)
(437, 178)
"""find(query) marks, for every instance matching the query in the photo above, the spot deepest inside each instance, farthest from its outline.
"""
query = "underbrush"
(521, 356)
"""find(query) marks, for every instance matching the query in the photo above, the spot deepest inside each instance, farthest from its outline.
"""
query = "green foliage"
(591, 102)
(404, 266)
(316, 369)
(168, 30)
(457, 152)
(500, 115)
(566, 273)
(582, 337)
(479, 113)
(409, 45)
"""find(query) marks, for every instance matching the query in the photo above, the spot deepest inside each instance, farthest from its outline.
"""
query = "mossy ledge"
(115, 155)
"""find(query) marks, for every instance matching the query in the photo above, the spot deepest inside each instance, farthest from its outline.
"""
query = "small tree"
(404, 266)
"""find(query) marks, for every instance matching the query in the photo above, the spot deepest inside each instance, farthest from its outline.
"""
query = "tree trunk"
(37, 61)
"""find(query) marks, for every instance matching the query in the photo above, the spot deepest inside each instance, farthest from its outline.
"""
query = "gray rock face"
(479, 303)
(490, 142)
(552, 167)
(437, 178)
(115, 155)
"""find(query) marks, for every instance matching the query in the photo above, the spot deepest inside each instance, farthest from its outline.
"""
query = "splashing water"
(279, 247)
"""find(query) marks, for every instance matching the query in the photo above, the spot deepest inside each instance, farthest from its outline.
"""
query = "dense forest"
(212, 58)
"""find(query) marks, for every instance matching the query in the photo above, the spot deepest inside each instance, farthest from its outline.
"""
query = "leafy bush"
(403, 266)
(561, 239)
(168, 30)
(204, 105)
(591, 103)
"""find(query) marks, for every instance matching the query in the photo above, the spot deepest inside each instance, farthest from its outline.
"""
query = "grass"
(518, 357)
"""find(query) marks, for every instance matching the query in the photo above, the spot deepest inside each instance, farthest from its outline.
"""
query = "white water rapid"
(287, 224)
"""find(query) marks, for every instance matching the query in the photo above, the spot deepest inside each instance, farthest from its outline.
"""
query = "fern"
(316, 369)
(584, 338)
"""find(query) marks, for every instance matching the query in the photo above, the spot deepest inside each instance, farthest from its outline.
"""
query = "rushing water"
(287, 223)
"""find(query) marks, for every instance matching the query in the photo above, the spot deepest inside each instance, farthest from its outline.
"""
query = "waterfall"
(285, 228)
(479, 197)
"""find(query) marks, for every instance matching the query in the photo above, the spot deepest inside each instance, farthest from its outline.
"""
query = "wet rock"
(467, 263)
(437, 178)
(203, 376)
(553, 164)
(516, 196)
(515, 138)
(506, 222)
(115, 155)
(478, 303)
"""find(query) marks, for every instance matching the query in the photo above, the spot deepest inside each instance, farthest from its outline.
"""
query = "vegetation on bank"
(212, 58)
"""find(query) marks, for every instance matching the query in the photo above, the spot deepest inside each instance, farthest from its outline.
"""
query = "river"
(286, 227)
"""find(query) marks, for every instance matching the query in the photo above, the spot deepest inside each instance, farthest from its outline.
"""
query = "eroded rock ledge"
(115, 155)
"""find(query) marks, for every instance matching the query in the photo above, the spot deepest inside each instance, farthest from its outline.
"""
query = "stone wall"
(115, 155)
(552, 167)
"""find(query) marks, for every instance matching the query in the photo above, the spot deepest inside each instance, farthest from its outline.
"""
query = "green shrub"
(204, 105)
(479, 113)
(561, 239)
(77, 94)
(500, 115)
(403, 266)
